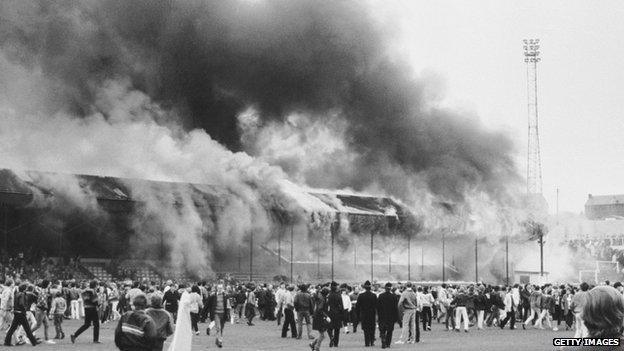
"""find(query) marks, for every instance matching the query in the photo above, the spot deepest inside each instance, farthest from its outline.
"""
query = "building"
(600, 207)
(106, 220)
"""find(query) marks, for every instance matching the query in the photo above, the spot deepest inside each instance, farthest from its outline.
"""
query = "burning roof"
(19, 187)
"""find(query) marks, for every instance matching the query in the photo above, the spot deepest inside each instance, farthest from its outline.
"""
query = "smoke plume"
(212, 60)
(246, 95)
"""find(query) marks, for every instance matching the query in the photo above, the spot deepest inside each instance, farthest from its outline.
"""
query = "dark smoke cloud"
(210, 60)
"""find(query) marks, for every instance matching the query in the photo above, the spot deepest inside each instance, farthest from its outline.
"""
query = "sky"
(475, 50)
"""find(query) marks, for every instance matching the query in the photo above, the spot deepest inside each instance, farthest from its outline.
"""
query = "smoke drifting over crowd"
(244, 94)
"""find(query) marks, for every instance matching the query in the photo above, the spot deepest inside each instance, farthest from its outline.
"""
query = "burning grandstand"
(211, 135)
(120, 225)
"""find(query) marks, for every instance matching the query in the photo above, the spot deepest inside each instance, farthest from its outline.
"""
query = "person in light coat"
(578, 303)
(512, 300)
(6, 304)
(442, 302)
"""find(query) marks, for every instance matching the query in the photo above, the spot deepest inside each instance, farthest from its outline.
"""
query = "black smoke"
(210, 60)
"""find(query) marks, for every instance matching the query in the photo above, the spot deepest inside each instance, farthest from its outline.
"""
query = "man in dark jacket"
(525, 304)
(21, 305)
(366, 306)
(496, 304)
(91, 304)
(171, 298)
(136, 330)
(270, 304)
(240, 299)
(336, 311)
(262, 301)
(388, 314)
(163, 321)
(480, 305)
(304, 307)
(460, 301)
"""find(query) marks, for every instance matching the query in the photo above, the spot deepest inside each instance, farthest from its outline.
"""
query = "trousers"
(409, 324)
(334, 336)
(368, 327)
(58, 322)
(91, 317)
(289, 322)
(581, 329)
(219, 323)
(75, 309)
(301, 316)
(511, 318)
(480, 315)
(6, 317)
(426, 317)
(19, 319)
(385, 333)
(42, 318)
(460, 312)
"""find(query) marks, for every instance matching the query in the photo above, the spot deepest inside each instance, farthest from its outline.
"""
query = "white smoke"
(129, 143)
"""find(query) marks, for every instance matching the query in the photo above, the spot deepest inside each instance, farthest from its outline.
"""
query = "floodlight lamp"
(525, 41)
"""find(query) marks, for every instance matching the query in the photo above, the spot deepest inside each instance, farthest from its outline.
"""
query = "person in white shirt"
(512, 300)
(410, 303)
(426, 303)
(6, 303)
(279, 296)
(195, 306)
(346, 303)
(288, 304)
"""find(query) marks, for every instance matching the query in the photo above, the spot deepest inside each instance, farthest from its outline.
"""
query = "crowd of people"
(147, 313)
(32, 265)
(599, 249)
